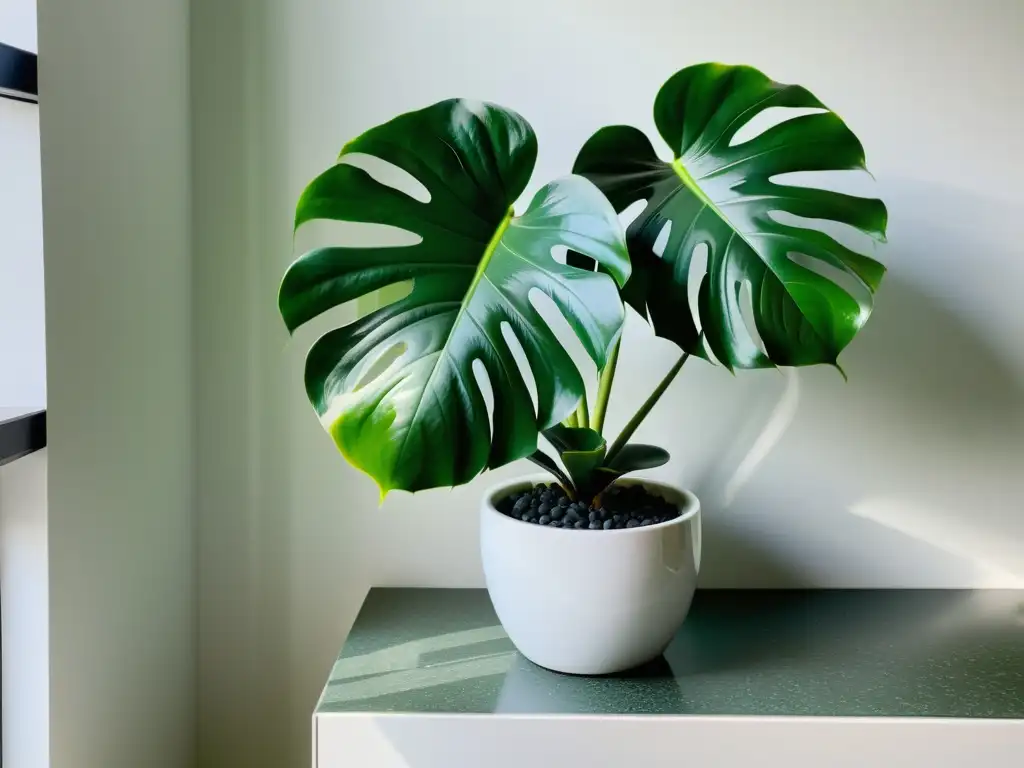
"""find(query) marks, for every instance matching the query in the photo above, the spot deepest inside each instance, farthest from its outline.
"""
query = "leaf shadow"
(867, 483)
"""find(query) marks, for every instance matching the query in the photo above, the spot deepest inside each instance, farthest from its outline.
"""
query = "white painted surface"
(407, 741)
(23, 595)
(641, 582)
(18, 24)
(23, 529)
(906, 476)
(115, 149)
(244, 623)
(22, 319)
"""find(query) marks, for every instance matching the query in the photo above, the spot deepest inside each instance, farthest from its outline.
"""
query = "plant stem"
(604, 388)
(631, 426)
(582, 413)
(571, 420)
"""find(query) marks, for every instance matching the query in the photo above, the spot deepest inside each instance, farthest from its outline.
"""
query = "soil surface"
(627, 506)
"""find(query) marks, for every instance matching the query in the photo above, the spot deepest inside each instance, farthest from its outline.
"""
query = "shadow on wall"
(906, 475)
(910, 473)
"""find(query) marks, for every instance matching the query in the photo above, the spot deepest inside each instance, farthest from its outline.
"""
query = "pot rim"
(689, 509)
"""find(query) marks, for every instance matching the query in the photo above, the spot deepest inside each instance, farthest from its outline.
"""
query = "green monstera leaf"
(722, 195)
(589, 468)
(422, 421)
(582, 451)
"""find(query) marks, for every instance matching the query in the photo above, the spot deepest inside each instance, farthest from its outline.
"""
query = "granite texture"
(835, 652)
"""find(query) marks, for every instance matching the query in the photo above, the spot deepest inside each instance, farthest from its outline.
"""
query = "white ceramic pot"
(590, 602)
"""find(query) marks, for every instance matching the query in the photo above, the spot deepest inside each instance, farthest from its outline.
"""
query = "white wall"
(115, 149)
(18, 24)
(909, 475)
(23, 545)
(24, 596)
(242, 533)
(22, 323)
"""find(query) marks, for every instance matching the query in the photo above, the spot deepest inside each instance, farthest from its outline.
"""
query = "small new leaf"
(637, 456)
(563, 438)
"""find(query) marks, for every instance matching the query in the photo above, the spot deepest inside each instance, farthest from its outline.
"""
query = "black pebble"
(545, 519)
(625, 507)
(595, 526)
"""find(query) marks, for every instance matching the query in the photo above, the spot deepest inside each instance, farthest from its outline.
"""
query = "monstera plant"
(727, 259)
(396, 388)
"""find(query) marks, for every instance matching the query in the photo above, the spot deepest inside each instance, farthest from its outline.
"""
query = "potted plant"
(396, 388)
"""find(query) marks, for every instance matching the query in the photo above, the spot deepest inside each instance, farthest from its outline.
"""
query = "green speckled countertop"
(827, 652)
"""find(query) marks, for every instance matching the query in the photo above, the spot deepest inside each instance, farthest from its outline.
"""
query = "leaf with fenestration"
(726, 197)
(422, 422)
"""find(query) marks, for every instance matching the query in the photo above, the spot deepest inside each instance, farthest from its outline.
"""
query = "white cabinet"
(840, 678)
